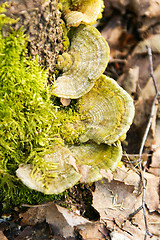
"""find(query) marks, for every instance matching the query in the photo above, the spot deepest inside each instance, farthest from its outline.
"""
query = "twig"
(133, 155)
(135, 212)
(117, 60)
(144, 140)
(151, 69)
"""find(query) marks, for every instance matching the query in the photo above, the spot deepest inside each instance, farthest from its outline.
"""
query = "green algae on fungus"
(83, 64)
(85, 163)
(110, 112)
(58, 180)
(94, 160)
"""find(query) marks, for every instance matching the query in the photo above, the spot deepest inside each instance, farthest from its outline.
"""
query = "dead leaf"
(135, 231)
(107, 174)
(2, 236)
(149, 8)
(72, 218)
(115, 200)
(92, 231)
(33, 216)
(58, 223)
(154, 224)
(118, 4)
(152, 192)
(62, 220)
(129, 80)
(149, 90)
(154, 167)
(136, 227)
(118, 236)
(156, 158)
(40, 231)
(155, 171)
(129, 177)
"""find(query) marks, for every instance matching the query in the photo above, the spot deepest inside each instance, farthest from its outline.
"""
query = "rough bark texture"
(41, 21)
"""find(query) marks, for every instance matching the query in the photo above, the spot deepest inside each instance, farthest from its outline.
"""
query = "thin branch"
(117, 60)
(147, 233)
(135, 212)
(151, 69)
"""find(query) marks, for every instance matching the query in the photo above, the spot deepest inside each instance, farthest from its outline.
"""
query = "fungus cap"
(65, 175)
(83, 64)
(109, 110)
(92, 158)
(83, 11)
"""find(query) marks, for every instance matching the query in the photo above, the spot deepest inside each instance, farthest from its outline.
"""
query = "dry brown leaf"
(129, 80)
(152, 192)
(57, 222)
(137, 227)
(128, 176)
(33, 216)
(155, 171)
(154, 224)
(118, 4)
(2, 236)
(157, 133)
(149, 90)
(149, 8)
(72, 218)
(112, 32)
(154, 167)
(115, 200)
(92, 231)
(156, 158)
(107, 174)
(135, 231)
(118, 236)
(62, 220)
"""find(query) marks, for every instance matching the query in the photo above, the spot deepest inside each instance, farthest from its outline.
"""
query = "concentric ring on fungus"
(93, 159)
(83, 64)
(109, 109)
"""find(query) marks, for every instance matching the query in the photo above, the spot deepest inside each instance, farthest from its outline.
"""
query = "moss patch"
(30, 120)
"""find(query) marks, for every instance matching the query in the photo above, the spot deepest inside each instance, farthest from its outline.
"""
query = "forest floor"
(127, 204)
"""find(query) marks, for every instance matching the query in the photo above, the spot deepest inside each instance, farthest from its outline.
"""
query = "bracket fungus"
(110, 112)
(94, 160)
(53, 181)
(103, 111)
(83, 64)
(82, 11)
(85, 163)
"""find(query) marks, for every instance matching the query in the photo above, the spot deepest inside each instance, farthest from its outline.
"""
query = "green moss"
(3, 18)
(30, 121)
